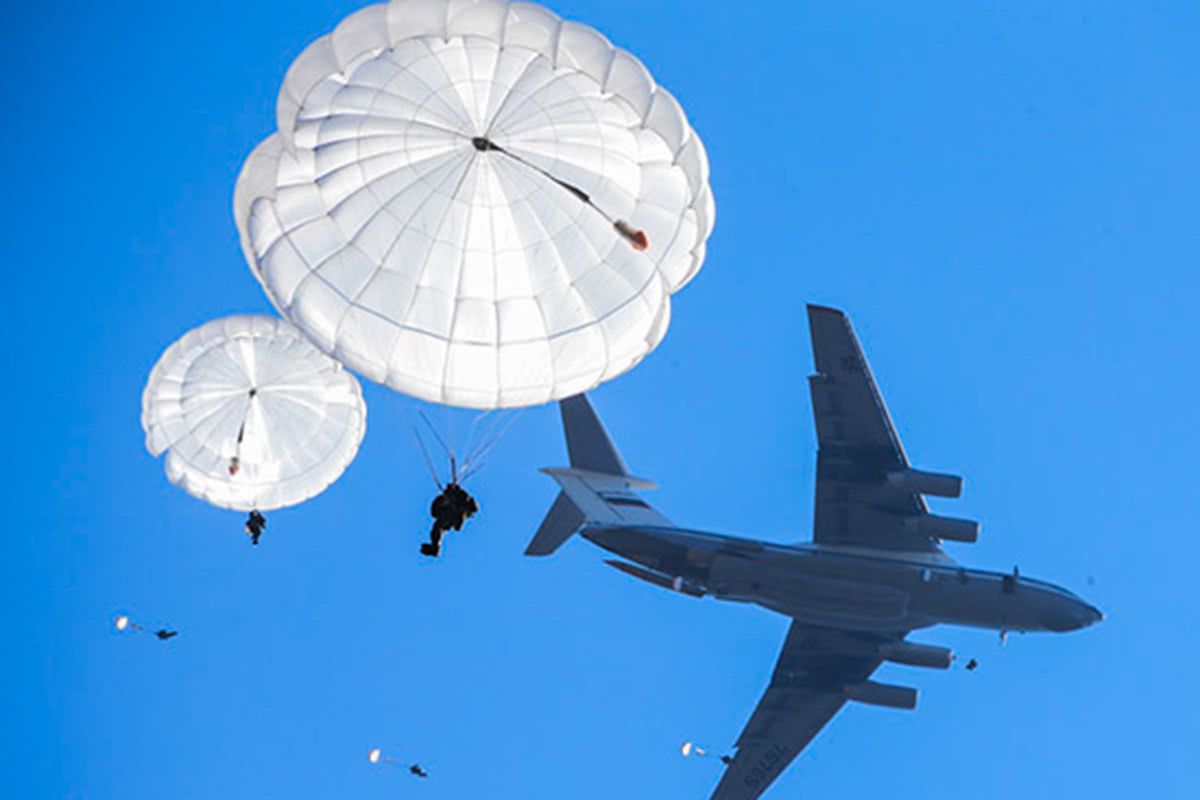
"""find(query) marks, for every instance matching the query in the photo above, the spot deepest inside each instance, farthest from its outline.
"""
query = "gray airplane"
(874, 572)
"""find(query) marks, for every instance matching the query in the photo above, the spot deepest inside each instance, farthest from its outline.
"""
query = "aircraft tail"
(596, 489)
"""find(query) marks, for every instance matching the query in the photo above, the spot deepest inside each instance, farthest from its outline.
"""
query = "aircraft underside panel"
(821, 600)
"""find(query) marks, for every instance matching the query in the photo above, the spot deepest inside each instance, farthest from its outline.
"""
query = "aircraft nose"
(1071, 614)
(1084, 615)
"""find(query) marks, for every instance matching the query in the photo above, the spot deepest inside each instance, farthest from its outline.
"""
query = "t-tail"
(597, 489)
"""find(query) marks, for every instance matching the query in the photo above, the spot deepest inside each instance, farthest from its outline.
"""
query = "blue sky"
(1002, 195)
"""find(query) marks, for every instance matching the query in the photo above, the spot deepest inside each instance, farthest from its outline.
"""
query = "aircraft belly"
(814, 598)
(832, 590)
(845, 602)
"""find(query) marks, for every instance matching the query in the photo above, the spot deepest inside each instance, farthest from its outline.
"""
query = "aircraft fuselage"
(841, 587)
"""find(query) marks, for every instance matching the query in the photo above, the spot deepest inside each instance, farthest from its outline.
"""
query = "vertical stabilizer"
(587, 442)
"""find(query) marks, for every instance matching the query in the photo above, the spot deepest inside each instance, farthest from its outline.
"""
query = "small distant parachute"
(477, 204)
(377, 756)
(691, 749)
(251, 415)
(123, 623)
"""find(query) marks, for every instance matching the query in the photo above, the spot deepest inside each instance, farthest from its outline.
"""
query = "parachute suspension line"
(499, 428)
(437, 436)
(447, 451)
(635, 236)
(235, 463)
(469, 448)
(480, 438)
(487, 429)
(428, 461)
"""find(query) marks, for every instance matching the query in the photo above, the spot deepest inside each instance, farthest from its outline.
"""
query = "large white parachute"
(251, 415)
(476, 203)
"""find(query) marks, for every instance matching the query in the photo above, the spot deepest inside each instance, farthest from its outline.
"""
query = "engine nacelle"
(881, 694)
(952, 528)
(916, 655)
(918, 481)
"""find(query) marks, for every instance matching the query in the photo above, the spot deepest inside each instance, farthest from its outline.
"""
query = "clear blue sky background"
(1003, 195)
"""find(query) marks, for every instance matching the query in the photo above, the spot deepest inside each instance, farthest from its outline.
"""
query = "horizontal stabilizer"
(563, 519)
(607, 499)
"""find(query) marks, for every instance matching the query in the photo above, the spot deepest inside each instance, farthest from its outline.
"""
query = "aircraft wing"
(804, 694)
(867, 493)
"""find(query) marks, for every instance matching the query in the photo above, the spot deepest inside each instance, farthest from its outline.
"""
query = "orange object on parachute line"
(635, 236)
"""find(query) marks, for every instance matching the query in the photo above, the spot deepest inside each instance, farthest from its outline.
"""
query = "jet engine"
(918, 481)
(958, 530)
(881, 694)
(916, 655)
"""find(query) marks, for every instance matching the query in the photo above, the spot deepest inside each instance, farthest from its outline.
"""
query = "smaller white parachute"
(251, 415)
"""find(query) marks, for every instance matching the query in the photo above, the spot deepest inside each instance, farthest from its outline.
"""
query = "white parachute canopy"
(476, 203)
(251, 415)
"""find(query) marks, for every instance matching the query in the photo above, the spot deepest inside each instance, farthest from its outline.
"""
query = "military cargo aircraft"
(874, 572)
